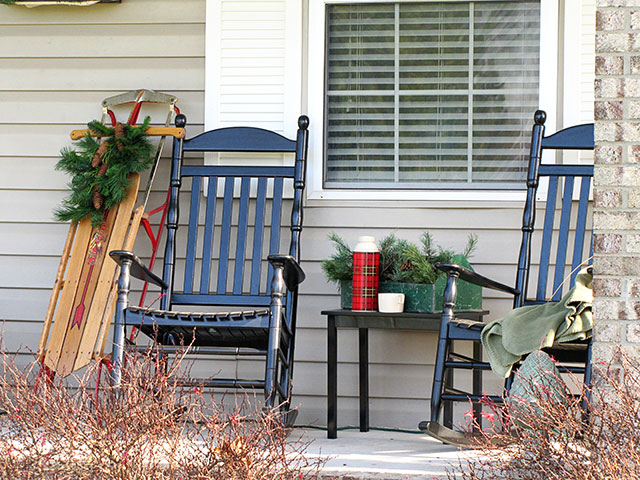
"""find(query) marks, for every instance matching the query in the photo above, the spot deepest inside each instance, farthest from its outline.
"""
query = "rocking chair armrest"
(137, 268)
(475, 278)
(293, 273)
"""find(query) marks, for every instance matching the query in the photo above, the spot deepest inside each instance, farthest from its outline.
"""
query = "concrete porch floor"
(382, 455)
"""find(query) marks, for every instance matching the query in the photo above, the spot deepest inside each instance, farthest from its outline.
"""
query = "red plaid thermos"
(366, 260)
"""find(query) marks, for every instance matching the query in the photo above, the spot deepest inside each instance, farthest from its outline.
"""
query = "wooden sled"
(87, 292)
(84, 291)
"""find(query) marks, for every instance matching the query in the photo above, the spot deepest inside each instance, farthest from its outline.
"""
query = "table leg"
(332, 378)
(363, 347)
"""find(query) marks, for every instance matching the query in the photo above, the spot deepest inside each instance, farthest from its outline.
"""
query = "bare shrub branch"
(149, 428)
(556, 440)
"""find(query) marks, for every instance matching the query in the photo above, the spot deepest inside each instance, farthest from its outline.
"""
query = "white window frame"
(316, 99)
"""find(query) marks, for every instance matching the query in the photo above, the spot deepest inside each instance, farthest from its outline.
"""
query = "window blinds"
(430, 94)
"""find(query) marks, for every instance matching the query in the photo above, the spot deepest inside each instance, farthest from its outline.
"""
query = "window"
(430, 95)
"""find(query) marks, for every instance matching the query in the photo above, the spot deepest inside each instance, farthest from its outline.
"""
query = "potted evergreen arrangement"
(407, 268)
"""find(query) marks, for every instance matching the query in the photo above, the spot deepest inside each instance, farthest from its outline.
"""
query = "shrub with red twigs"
(148, 428)
(554, 439)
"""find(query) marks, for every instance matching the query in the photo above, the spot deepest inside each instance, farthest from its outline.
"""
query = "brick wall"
(617, 179)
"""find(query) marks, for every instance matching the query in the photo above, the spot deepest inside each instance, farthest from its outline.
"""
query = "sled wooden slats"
(74, 269)
(57, 286)
(106, 283)
(111, 304)
(84, 303)
(91, 267)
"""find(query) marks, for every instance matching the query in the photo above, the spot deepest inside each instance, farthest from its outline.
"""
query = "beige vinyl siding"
(58, 63)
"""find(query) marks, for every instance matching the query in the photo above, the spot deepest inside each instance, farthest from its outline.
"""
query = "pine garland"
(100, 169)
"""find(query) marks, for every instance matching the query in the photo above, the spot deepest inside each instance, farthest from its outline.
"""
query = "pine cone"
(97, 158)
(98, 199)
(406, 266)
(119, 135)
(103, 169)
(119, 130)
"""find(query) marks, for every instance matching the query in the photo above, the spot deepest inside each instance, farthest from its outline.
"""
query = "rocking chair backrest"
(232, 229)
(564, 227)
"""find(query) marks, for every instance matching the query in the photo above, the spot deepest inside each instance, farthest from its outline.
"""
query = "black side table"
(363, 321)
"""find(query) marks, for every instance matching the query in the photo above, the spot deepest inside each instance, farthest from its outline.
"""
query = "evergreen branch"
(400, 260)
(339, 267)
(416, 267)
(472, 244)
(100, 128)
(428, 245)
(391, 251)
(131, 153)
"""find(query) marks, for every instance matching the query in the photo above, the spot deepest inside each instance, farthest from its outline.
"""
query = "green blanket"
(533, 327)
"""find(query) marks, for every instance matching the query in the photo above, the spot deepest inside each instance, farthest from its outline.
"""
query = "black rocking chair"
(231, 243)
(566, 236)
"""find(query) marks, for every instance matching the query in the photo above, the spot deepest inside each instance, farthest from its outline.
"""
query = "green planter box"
(422, 298)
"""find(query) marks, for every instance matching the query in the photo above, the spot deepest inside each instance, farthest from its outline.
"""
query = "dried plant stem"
(149, 428)
(554, 439)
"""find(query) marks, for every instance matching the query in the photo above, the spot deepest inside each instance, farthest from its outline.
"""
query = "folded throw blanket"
(533, 327)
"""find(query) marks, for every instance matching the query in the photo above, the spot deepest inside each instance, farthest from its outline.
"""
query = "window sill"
(419, 195)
